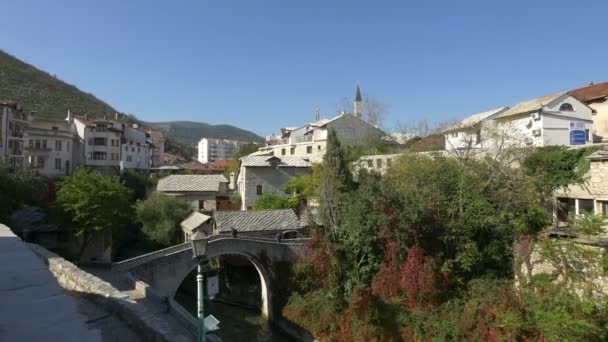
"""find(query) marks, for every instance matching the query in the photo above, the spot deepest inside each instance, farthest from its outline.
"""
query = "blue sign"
(578, 137)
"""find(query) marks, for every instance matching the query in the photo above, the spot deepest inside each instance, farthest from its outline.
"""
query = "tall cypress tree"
(336, 181)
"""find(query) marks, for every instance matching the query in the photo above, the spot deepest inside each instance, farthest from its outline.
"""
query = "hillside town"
(316, 171)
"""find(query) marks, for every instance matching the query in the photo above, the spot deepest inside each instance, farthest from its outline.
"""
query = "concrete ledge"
(145, 322)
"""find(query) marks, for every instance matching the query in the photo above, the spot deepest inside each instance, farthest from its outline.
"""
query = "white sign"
(213, 286)
(576, 125)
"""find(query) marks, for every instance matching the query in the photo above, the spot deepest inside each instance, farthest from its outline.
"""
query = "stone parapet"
(147, 323)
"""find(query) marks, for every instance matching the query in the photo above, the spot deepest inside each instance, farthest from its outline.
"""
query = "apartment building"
(13, 122)
(211, 150)
(49, 146)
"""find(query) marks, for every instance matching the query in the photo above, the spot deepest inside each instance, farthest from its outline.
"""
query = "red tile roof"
(221, 164)
(591, 92)
(10, 104)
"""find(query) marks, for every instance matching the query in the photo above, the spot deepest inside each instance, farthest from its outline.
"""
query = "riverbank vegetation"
(437, 249)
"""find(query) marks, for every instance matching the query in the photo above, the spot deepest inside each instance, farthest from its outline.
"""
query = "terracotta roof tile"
(591, 92)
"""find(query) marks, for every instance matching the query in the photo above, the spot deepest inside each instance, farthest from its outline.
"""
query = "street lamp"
(199, 242)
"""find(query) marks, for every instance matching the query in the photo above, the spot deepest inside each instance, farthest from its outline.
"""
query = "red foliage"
(418, 277)
(386, 283)
(318, 254)
(361, 307)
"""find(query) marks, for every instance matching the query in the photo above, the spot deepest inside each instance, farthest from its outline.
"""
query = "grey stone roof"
(194, 221)
(257, 220)
(530, 105)
(474, 119)
(194, 183)
(284, 161)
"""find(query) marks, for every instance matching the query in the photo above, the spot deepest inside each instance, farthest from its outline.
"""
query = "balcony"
(16, 134)
(38, 149)
(15, 152)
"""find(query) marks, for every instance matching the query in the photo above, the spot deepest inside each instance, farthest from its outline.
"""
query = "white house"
(472, 132)
(557, 119)
(267, 174)
(211, 150)
(136, 149)
(99, 143)
(49, 146)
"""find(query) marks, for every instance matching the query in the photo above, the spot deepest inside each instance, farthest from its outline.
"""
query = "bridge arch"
(165, 270)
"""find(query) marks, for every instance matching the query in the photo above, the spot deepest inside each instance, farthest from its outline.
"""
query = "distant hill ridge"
(46, 95)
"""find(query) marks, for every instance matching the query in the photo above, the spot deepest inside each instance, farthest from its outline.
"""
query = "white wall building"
(557, 119)
(211, 150)
(472, 132)
(49, 146)
(136, 149)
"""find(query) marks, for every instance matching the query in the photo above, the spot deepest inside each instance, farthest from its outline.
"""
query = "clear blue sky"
(262, 65)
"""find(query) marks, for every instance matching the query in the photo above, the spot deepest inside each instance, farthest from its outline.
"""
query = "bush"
(160, 216)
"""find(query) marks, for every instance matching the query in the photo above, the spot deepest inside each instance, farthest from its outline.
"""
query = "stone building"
(196, 222)
(310, 140)
(596, 97)
(201, 191)
(592, 196)
(472, 132)
(13, 122)
(267, 174)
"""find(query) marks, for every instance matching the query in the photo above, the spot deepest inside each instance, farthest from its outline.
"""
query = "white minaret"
(358, 104)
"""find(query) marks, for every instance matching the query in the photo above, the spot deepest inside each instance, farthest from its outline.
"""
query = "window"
(282, 151)
(31, 143)
(389, 162)
(309, 149)
(604, 208)
(292, 150)
(585, 205)
(57, 145)
(100, 128)
(100, 141)
(99, 156)
(565, 208)
(378, 163)
(370, 163)
(129, 158)
(126, 148)
(40, 163)
(258, 190)
(44, 144)
(38, 144)
(67, 146)
(587, 135)
(566, 107)
(90, 156)
(318, 147)
(57, 163)
(478, 137)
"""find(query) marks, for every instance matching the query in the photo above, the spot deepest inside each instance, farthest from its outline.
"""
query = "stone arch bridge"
(165, 270)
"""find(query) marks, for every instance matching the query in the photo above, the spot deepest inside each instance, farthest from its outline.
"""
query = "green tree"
(335, 182)
(94, 203)
(139, 183)
(270, 201)
(160, 216)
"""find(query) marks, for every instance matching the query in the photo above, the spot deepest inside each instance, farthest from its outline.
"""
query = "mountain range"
(47, 95)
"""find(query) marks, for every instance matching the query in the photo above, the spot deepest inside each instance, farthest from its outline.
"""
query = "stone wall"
(145, 322)
(598, 178)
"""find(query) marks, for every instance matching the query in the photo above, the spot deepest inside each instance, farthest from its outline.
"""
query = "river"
(236, 323)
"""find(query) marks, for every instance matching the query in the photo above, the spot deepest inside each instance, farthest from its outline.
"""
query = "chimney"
(232, 180)
(69, 118)
(116, 116)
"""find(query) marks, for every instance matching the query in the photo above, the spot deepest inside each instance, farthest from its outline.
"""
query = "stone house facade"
(267, 174)
(49, 147)
(201, 191)
(592, 196)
